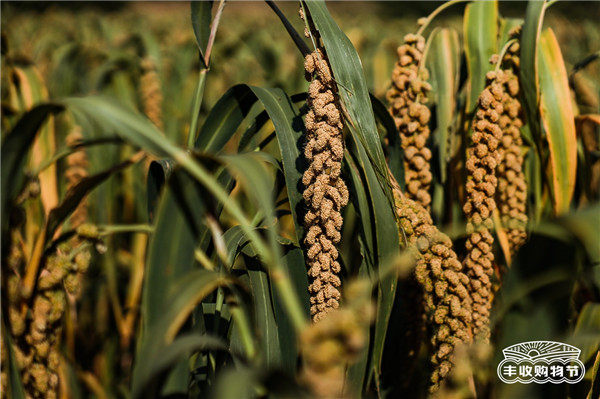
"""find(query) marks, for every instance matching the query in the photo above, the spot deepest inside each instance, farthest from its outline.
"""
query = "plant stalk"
(125, 228)
(438, 10)
(193, 133)
(268, 255)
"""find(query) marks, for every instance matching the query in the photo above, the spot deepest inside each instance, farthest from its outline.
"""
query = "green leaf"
(356, 372)
(295, 266)
(225, 118)
(15, 383)
(352, 86)
(169, 356)
(532, 28)
(481, 36)
(178, 302)
(235, 240)
(131, 126)
(359, 197)
(587, 331)
(201, 17)
(536, 290)
(15, 148)
(584, 224)
(265, 317)
(289, 128)
(595, 389)
(158, 174)
(139, 131)
(528, 78)
(558, 121)
(250, 170)
(239, 383)
(78, 192)
(443, 63)
(180, 209)
(395, 153)
(381, 247)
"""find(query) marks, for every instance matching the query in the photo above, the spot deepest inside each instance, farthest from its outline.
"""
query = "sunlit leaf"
(444, 67)
(201, 17)
(481, 33)
(558, 121)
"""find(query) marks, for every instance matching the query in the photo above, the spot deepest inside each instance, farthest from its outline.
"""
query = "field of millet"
(300, 199)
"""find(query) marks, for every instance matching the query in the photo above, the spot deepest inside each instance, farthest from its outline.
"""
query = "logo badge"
(541, 362)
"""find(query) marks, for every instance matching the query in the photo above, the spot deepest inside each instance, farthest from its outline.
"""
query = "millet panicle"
(408, 98)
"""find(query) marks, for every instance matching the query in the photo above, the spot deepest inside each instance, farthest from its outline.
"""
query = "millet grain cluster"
(408, 98)
(150, 92)
(335, 342)
(325, 192)
(77, 169)
(512, 188)
(444, 285)
(36, 330)
(482, 160)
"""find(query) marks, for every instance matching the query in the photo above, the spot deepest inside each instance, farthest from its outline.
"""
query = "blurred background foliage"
(71, 43)
(84, 48)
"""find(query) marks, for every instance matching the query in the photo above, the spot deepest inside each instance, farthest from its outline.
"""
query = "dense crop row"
(166, 231)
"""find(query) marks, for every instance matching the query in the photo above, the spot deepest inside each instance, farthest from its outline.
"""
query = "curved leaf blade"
(443, 63)
(201, 17)
(158, 173)
(265, 315)
(293, 262)
(395, 153)
(481, 36)
(15, 383)
(530, 36)
(587, 331)
(558, 121)
(348, 73)
(225, 118)
(289, 128)
(15, 148)
(175, 353)
(75, 195)
(481, 33)
(177, 304)
(179, 207)
(131, 126)
(366, 149)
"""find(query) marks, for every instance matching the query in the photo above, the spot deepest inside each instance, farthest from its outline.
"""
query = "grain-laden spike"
(77, 169)
(325, 192)
(328, 347)
(482, 160)
(36, 338)
(444, 285)
(512, 188)
(151, 92)
(407, 97)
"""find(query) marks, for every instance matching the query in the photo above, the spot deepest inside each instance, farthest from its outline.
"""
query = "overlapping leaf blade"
(481, 38)
(201, 17)
(558, 121)
(178, 303)
(289, 128)
(15, 148)
(532, 29)
(366, 145)
(349, 75)
(443, 63)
